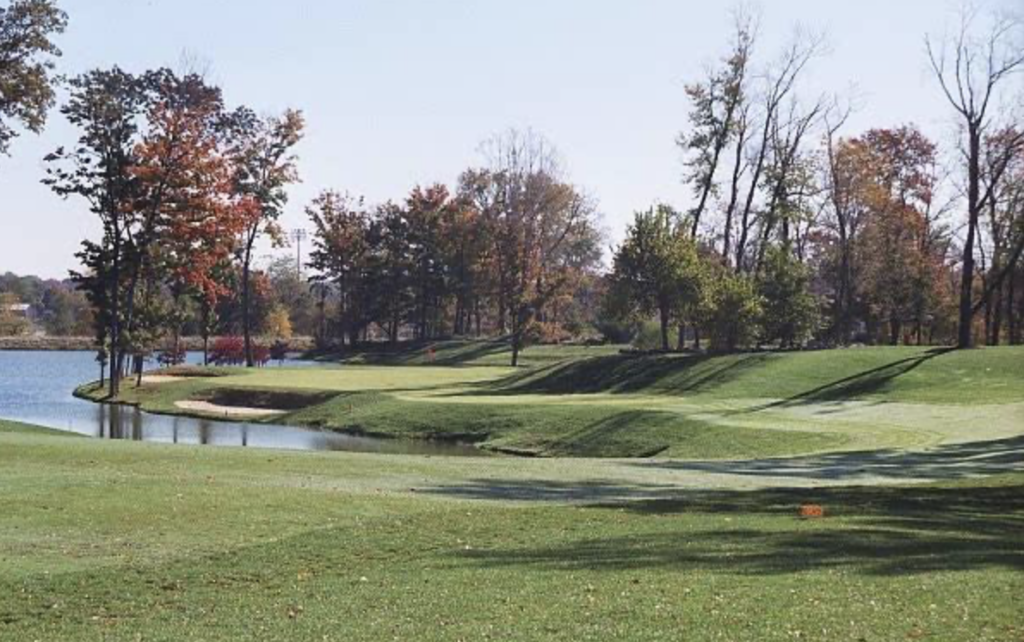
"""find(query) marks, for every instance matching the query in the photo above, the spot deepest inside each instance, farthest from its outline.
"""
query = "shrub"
(648, 336)
(791, 312)
(279, 351)
(734, 314)
(260, 355)
(172, 356)
(228, 351)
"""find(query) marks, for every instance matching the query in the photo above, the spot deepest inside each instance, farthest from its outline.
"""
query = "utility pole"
(298, 236)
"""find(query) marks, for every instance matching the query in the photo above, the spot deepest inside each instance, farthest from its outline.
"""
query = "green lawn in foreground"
(611, 405)
(120, 541)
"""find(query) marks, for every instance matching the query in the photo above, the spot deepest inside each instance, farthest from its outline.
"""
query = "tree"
(898, 249)
(717, 118)
(340, 253)
(532, 215)
(429, 213)
(26, 65)
(265, 165)
(973, 74)
(186, 198)
(1005, 225)
(790, 311)
(775, 147)
(278, 324)
(656, 270)
(106, 106)
(847, 184)
(292, 291)
(734, 311)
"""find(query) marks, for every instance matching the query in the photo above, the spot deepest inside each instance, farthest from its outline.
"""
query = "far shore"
(86, 344)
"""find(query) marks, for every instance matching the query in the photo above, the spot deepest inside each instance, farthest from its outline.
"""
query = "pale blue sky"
(400, 92)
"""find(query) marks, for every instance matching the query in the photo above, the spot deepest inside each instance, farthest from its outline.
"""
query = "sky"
(398, 93)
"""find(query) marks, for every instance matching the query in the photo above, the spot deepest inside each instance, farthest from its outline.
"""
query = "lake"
(37, 387)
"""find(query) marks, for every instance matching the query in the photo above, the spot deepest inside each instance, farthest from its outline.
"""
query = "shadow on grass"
(955, 461)
(667, 374)
(945, 464)
(446, 353)
(856, 386)
(691, 374)
(868, 531)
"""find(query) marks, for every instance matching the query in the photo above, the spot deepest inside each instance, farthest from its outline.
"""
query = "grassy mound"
(620, 405)
(14, 427)
(465, 353)
(595, 430)
(890, 374)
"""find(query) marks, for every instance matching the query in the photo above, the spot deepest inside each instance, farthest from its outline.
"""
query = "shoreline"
(87, 344)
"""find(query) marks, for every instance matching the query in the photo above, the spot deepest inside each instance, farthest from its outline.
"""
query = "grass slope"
(614, 405)
(120, 541)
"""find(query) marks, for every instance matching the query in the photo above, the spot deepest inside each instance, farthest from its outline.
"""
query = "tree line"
(511, 250)
(798, 232)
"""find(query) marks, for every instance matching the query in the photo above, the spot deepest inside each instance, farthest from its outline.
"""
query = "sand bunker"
(227, 411)
(157, 379)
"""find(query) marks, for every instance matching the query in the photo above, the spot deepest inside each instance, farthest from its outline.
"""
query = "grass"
(122, 541)
(616, 405)
(496, 353)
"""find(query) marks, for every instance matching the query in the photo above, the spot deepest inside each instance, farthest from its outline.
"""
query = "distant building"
(23, 310)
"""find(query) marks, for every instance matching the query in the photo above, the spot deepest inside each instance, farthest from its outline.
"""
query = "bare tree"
(974, 74)
(780, 86)
(718, 116)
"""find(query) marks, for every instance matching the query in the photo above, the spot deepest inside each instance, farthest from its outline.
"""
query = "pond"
(36, 388)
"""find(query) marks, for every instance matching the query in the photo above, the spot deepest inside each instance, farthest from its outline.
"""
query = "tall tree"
(974, 74)
(772, 134)
(429, 214)
(26, 65)
(533, 214)
(107, 107)
(716, 118)
(340, 252)
(265, 165)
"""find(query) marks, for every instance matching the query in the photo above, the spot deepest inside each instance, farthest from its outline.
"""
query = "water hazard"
(36, 388)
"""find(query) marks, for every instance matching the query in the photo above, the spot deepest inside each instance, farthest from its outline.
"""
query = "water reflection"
(36, 387)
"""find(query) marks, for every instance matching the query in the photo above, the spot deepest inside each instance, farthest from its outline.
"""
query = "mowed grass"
(621, 405)
(121, 541)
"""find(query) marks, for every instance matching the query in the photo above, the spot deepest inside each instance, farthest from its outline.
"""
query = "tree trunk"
(663, 312)
(965, 333)
(1011, 312)
(115, 316)
(734, 197)
(246, 313)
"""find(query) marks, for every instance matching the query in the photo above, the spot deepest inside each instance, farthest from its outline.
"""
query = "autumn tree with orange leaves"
(157, 160)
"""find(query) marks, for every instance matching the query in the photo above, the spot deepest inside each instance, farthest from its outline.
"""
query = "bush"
(172, 356)
(279, 351)
(648, 336)
(260, 355)
(228, 351)
(617, 331)
(733, 320)
(791, 312)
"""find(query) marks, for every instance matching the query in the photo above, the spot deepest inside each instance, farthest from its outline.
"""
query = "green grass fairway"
(594, 402)
(120, 541)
